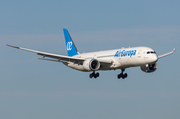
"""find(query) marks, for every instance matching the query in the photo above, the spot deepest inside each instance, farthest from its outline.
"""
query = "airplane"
(144, 57)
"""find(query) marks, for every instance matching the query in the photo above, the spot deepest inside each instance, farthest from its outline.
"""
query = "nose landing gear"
(121, 75)
(95, 75)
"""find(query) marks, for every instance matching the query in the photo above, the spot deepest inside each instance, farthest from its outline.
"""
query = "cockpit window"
(151, 52)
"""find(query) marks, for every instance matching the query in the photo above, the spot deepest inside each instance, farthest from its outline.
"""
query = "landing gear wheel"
(125, 75)
(95, 75)
(121, 75)
(90, 75)
(118, 76)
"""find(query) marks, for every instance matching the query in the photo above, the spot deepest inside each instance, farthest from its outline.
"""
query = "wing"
(59, 58)
(167, 54)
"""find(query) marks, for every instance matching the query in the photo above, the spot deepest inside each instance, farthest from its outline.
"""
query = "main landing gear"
(95, 75)
(121, 75)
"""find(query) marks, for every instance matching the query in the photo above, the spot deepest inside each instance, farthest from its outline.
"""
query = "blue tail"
(71, 48)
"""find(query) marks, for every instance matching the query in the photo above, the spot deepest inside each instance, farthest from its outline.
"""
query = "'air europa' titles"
(124, 53)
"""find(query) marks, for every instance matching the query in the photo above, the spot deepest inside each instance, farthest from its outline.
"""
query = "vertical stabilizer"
(70, 46)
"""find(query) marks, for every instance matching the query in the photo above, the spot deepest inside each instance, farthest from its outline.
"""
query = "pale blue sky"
(30, 88)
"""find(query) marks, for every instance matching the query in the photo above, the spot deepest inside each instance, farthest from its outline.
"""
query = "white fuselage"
(120, 58)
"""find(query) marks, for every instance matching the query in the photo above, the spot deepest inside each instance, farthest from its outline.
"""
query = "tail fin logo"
(69, 45)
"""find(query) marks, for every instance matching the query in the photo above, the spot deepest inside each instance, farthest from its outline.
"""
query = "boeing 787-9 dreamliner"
(123, 58)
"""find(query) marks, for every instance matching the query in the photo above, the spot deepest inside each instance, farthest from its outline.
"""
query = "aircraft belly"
(126, 61)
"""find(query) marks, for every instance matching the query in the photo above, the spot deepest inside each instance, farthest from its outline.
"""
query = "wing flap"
(51, 60)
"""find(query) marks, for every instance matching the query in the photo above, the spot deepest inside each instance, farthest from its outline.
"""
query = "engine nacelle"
(91, 65)
(148, 68)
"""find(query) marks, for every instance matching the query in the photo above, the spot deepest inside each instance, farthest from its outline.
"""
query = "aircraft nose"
(154, 58)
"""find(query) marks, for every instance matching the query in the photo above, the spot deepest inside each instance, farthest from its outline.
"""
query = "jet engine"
(148, 68)
(91, 65)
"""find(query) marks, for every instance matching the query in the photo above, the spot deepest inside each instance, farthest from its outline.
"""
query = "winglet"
(174, 50)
